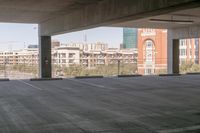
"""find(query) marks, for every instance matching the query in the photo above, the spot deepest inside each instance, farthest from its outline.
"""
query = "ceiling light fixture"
(172, 21)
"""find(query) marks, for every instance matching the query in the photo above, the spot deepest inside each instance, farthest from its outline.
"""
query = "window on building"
(149, 71)
(183, 52)
(63, 55)
(71, 55)
(190, 52)
(63, 61)
(149, 50)
(182, 61)
(182, 43)
(71, 61)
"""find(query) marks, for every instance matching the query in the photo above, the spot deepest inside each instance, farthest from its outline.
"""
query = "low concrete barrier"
(45, 79)
(163, 75)
(135, 75)
(82, 77)
(195, 73)
(5, 79)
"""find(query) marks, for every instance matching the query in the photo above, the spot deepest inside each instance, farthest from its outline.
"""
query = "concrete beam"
(186, 32)
(107, 12)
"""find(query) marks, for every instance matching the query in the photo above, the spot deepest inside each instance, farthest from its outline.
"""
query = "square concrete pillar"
(45, 57)
(175, 56)
(169, 52)
(172, 54)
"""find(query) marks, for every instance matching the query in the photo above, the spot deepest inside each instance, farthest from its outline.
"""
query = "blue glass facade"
(130, 36)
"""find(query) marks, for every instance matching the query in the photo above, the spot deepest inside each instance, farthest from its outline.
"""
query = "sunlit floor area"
(149, 104)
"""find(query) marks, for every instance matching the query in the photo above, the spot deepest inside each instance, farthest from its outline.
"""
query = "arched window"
(149, 56)
(149, 50)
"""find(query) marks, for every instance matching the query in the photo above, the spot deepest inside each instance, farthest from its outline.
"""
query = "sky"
(112, 36)
(18, 36)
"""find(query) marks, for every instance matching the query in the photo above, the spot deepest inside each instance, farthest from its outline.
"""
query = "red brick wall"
(159, 37)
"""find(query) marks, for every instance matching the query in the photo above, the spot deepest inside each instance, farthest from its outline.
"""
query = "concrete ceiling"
(37, 11)
(61, 16)
(184, 15)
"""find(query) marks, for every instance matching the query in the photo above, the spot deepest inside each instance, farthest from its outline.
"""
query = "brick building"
(189, 50)
(152, 51)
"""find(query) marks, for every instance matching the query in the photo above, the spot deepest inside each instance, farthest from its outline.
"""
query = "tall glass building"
(130, 37)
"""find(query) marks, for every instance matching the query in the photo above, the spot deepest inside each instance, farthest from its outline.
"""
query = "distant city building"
(27, 56)
(108, 56)
(189, 50)
(55, 44)
(88, 46)
(32, 46)
(130, 39)
(8, 57)
(86, 54)
(121, 46)
(65, 56)
(152, 51)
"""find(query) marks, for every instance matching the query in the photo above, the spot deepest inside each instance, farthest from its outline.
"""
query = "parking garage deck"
(109, 105)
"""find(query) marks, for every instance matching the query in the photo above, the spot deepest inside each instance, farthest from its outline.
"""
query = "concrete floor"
(108, 105)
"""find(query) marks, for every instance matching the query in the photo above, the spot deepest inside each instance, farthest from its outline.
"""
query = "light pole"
(118, 66)
(118, 63)
(5, 62)
(24, 67)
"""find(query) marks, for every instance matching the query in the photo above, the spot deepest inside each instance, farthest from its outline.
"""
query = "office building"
(129, 38)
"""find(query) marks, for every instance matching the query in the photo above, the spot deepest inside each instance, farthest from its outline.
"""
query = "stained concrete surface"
(109, 105)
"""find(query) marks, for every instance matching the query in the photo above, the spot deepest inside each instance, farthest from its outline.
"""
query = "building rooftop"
(109, 105)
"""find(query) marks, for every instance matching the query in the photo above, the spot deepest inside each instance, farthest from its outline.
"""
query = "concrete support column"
(175, 56)
(169, 52)
(172, 53)
(45, 57)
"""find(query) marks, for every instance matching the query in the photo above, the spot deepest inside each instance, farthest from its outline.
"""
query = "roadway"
(108, 105)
